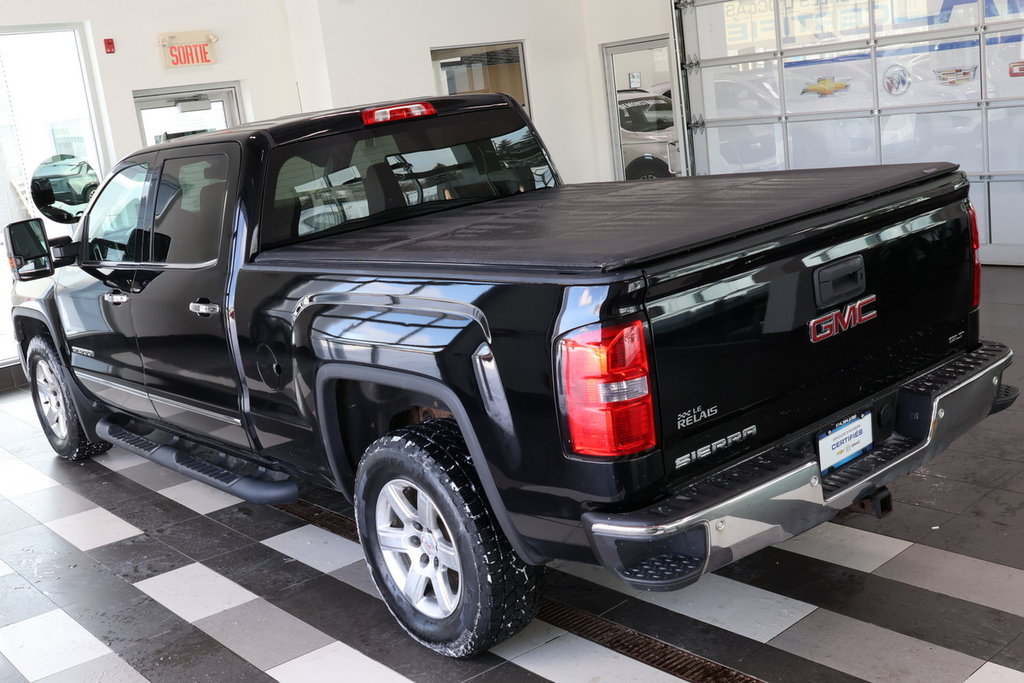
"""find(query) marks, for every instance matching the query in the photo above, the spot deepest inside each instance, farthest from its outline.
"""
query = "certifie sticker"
(844, 442)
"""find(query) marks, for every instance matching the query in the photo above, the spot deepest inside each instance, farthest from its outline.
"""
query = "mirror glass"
(28, 249)
(62, 186)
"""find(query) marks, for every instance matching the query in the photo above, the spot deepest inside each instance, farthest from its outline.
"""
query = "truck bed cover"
(607, 226)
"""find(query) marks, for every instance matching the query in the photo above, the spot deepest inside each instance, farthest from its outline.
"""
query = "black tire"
(491, 594)
(647, 169)
(88, 192)
(56, 411)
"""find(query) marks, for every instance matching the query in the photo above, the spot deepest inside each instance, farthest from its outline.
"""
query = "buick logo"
(896, 80)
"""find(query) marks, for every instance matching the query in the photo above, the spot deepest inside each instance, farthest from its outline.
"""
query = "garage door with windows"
(813, 83)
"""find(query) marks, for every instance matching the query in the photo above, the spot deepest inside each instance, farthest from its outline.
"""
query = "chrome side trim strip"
(88, 376)
(170, 403)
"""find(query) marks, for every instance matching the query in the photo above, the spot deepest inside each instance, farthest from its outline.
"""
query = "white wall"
(254, 48)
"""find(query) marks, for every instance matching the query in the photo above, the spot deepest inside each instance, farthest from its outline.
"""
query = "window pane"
(1006, 140)
(818, 22)
(1003, 10)
(190, 210)
(836, 142)
(1005, 64)
(908, 16)
(929, 72)
(741, 90)
(481, 68)
(829, 82)
(944, 136)
(1007, 200)
(736, 27)
(745, 148)
(115, 221)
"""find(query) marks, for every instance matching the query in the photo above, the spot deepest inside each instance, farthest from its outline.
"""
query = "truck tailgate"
(784, 328)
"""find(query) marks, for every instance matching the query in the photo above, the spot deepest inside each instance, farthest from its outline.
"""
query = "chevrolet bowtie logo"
(825, 87)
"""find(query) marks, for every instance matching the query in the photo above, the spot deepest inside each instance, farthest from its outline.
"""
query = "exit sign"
(188, 48)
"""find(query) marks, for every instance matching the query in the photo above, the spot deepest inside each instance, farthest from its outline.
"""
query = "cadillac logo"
(896, 80)
(825, 87)
(956, 76)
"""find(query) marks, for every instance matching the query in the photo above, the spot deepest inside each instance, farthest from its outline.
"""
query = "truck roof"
(608, 226)
(303, 126)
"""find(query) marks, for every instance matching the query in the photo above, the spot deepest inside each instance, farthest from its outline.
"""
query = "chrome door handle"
(204, 309)
(115, 297)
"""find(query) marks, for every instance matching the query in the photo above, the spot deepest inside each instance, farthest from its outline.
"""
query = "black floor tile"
(1009, 421)
(201, 538)
(973, 468)
(580, 593)
(981, 539)
(907, 522)
(108, 489)
(261, 569)
(258, 522)
(932, 617)
(326, 498)
(67, 472)
(506, 672)
(991, 443)
(126, 620)
(152, 511)
(1012, 656)
(187, 654)
(1004, 507)
(778, 666)
(139, 557)
(26, 548)
(66, 579)
(13, 518)
(20, 600)
(937, 493)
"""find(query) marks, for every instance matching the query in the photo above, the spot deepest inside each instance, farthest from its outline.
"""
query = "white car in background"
(647, 134)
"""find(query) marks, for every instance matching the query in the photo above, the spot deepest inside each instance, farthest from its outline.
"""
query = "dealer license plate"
(844, 442)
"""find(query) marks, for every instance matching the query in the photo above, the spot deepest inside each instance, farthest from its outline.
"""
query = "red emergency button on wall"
(108, 45)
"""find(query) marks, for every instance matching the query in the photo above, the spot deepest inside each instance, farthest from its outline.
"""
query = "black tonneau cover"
(608, 226)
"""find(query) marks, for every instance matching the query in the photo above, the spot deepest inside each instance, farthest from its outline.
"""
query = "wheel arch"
(331, 433)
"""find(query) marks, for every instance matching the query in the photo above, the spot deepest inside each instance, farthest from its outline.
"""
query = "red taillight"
(606, 390)
(976, 248)
(397, 112)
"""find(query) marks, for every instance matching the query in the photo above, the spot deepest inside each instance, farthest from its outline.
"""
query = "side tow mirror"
(28, 250)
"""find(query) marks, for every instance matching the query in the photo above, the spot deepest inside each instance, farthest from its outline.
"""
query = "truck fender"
(330, 432)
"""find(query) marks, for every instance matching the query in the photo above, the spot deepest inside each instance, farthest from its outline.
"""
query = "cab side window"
(115, 227)
(190, 202)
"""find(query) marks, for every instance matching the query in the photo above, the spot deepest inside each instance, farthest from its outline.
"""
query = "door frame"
(683, 153)
(156, 98)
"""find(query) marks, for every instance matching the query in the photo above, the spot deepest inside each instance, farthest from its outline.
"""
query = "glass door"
(168, 114)
(645, 116)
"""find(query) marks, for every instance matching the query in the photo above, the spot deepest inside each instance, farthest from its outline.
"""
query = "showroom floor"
(120, 570)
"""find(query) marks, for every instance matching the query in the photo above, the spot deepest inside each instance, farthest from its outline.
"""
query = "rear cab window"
(382, 173)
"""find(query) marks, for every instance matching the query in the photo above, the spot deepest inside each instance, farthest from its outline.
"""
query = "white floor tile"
(195, 591)
(107, 669)
(316, 547)
(200, 497)
(19, 479)
(23, 410)
(53, 503)
(536, 634)
(332, 663)
(118, 459)
(846, 546)
(93, 528)
(5, 568)
(713, 599)
(993, 673)
(48, 644)
(983, 583)
(570, 658)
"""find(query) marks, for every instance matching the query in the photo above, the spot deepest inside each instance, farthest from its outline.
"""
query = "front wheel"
(52, 399)
(435, 551)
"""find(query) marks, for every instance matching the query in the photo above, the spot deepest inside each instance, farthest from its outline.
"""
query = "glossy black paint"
(486, 334)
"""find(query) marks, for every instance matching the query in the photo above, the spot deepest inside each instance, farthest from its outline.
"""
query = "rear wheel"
(52, 400)
(435, 551)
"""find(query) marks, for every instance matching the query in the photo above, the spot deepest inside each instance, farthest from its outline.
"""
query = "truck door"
(179, 307)
(94, 296)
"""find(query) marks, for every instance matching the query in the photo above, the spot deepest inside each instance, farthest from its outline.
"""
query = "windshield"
(367, 177)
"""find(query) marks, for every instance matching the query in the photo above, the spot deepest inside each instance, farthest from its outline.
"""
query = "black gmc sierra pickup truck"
(402, 302)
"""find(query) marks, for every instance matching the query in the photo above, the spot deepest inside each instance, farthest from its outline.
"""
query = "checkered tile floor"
(118, 570)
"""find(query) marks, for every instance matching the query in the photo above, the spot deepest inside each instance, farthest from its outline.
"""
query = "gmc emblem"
(1016, 69)
(831, 324)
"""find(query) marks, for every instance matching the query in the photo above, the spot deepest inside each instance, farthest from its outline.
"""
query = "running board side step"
(250, 489)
